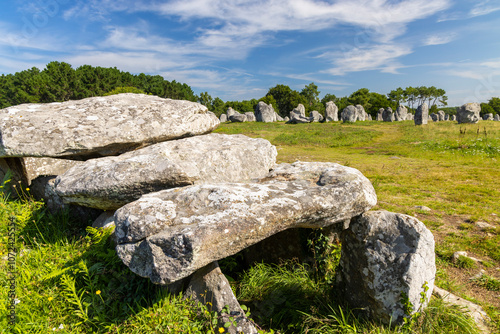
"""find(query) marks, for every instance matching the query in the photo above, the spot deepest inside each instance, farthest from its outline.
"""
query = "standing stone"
(278, 117)
(386, 257)
(434, 117)
(332, 112)
(230, 112)
(488, 117)
(99, 126)
(349, 114)
(265, 113)
(250, 116)
(446, 117)
(453, 117)
(388, 115)
(422, 114)
(401, 113)
(316, 116)
(298, 115)
(360, 113)
(469, 113)
(223, 118)
(496, 118)
(111, 182)
(170, 234)
(380, 115)
(286, 119)
(441, 115)
(409, 117)
(238, 118)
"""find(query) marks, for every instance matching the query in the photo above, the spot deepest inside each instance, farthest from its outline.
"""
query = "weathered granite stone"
(210, 287)
(349, 114)
(250, 116)
(316, 116)
(331, 112)
(421, 115)
(434, 117)
(410, 117)
(230, 112)
(469, 113)
(300, 110)
(223, 118)
(385, 257)
(441, 116)
(99, 126)
(111, 182)
(496, 118)
(453, 117)
(488, 117)
(238, 118)
(168, 235)
(401, 113)
(278, 117)
(380, 115)
(388, 115)
(265, 113)
(360, 112)
(298, 115)
(446, 117)
(286, 119)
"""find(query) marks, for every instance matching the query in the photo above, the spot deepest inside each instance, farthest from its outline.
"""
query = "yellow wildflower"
(50, 298)
(98, 292)
(221, 330)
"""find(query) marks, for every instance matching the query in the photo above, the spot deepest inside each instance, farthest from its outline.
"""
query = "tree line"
(59, 82)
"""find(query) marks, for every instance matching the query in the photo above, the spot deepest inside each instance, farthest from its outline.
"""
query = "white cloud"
(439, 39)
(485, 8)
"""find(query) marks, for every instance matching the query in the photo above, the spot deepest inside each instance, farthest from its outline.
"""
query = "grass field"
(70, 281)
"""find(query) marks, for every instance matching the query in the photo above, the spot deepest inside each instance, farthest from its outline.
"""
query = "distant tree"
(494, 102)
(378, 101)
(361, 96)
(64, 83)
(269, 99)
(205, 99)
(120, 90)
(398, 95)
(433, 109)
(327, 98)
(311, 93)
(486, 109)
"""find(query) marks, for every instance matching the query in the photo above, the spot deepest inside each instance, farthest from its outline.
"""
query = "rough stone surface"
(210, 287)
(496, 118)
(475, 311)
(265, 113)
(230, 112)
(238, 118)
(105, 220)
(316, 116)
(388, 115)
(360, 112)
(298, 115)
(99, 126)
(441, 115)
(453, 117)
(421, 115)
(14, 170)
(331, 112)
(111, 182)
(349, 114)
(223, 118)
(434, 117)
(401, 113)
(385, 255)
(250, 116)
(168, 235)
(488, 117)
(380, 114)
(469, 113)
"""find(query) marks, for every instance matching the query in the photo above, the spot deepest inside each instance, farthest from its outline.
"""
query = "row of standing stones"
(467, 113)
(181, 198)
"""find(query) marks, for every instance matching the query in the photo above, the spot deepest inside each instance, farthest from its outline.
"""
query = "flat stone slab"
(168, 235)
(99, 126)
(111, 182)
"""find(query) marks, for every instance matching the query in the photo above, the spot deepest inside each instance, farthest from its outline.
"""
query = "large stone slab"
(99, 126)
(469, 113)
(111, 182)
(421, 114)
(331, 112)
(168, 235)
(386, 258)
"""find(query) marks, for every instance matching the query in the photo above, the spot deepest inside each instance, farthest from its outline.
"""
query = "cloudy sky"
(238, 49)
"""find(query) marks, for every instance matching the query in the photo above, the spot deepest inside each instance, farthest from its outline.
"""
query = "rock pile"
(186, 197)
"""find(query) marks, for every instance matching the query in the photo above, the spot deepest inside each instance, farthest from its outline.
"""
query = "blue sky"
(239, 49)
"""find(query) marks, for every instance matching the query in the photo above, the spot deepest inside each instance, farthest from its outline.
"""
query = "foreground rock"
(469, 113)
(210, 287)
(421, 115)
(386, 257)
(111, 182)
(168, 235)
(99, 126)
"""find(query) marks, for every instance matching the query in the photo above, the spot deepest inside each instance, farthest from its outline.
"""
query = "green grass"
(69, 278)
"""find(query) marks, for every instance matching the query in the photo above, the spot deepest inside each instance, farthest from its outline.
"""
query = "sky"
(238, 49)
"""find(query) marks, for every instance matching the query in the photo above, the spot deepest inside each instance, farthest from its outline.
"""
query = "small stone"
(423, 208)
(484, 226)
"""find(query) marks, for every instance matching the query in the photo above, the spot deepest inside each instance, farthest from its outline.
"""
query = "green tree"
(64, 83)
(494, 102)
(120, 90)
(327, 98)
(311, 93)
(361, 96)
(398, 95)
(205, 99)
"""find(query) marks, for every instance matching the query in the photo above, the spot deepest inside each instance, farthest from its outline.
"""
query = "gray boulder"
(111, 182)
(278, 117)
(496, 118)
(446, 117)
(223, 118)
(386, 257)
(349, 114)
(380, 115)
(441, 115)
(210, 287)
(99, 126)
(168, 235)
(488, 117)
(332, 112)
(469, 113)
(286, 119)
(230, 112)
(453, 117)
(401, 113)
(316, 116)
(298, 115)
(388, 115)
(434, 117)
(238, 118)
(250, 116)
(265, 113)
(360, 112)
(421, 115)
